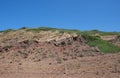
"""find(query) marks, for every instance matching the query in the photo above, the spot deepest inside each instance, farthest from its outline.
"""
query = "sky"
(102, 15)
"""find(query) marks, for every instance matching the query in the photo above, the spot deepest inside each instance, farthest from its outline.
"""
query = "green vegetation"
(8, 30)
(69, 31)
(101, 33)
(41, 29)
(52, 29)
(92, 32)
(104, 46)
(109, 33)
(22, 28)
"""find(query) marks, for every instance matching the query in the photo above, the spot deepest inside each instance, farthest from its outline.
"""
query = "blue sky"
(70, 14)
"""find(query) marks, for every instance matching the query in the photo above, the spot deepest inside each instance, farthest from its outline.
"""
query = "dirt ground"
(101, 66)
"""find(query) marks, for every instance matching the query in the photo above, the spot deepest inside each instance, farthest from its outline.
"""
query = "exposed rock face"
(69, 48)
(109, 37)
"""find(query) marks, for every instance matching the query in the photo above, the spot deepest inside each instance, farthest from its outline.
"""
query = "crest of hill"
(93, 37)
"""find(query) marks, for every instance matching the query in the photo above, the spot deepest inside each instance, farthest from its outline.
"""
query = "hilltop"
(52, 52)
(94, 38)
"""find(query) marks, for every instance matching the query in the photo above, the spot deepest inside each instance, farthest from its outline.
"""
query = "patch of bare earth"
(102, 66)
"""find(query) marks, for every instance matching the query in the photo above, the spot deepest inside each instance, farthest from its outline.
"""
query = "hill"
(52, 52)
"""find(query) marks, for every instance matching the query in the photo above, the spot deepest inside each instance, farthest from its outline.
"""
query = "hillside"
(59, 53)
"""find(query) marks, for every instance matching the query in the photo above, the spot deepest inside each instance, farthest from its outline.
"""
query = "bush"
(33, 29)
(41, 29)
(104, 46)
(23, 28)
(8, 30)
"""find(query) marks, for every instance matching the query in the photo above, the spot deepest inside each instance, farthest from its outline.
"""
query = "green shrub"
(23, 28)
(104, 46)
(69, 31)
(109, 33)
(8, 30)
(41, 29)
(33, 29)
(53, 29)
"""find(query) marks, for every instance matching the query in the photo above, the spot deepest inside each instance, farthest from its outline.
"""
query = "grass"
(51, 29)
(109, 33)
(92, 32)
(7, 31)
(41, 29)
(101, 33)
(104, 46)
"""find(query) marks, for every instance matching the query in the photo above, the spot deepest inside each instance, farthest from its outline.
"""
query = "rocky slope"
(38, 48)
(48, 54)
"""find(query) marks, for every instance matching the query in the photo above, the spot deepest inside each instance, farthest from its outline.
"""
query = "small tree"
(23, 27)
